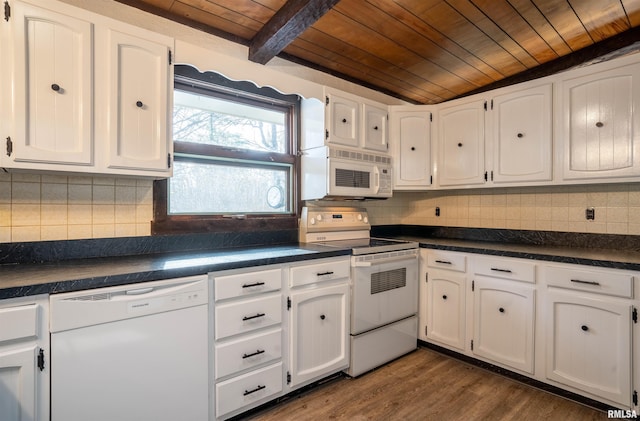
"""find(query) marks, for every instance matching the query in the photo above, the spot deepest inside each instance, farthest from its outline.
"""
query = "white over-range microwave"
(333, 173)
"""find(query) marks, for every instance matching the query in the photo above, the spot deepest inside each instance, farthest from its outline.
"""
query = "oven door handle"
(383, 261)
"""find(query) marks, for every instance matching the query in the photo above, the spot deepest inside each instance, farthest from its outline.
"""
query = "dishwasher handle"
(139, 291)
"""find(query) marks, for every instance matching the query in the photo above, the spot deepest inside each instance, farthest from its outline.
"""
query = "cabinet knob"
(344, 120)
(459, 144)
(322, 317)
(501, 310)
(413, 148)
(375, 127)
(56, 87)
(520, 135)
(444, 297)
(139, 104)
(599, 124)
(584, 327)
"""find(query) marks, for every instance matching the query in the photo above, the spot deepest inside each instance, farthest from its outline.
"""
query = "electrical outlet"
(590, 214)
(437, 211)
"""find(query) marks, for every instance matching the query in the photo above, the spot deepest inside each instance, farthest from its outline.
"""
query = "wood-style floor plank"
(426, 385)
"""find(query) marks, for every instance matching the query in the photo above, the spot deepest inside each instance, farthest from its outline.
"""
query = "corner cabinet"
(318, 305)
(411, 148)
(87, 93)
(24, 359)
(600, 122)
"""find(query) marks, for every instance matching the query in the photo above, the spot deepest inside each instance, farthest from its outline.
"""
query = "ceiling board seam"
(581, 22)
(551, 25)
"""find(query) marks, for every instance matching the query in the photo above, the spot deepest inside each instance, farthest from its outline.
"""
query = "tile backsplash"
(555, 208)
(36, 207)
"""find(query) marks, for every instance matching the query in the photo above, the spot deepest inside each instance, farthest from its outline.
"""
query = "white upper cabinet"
(352, 121)
(87, 93)
(522, 135)
(342, 120)
(410, 139)
(138, 99)
(374, 133)
(600, 122)
(52, 106)
(461, 143)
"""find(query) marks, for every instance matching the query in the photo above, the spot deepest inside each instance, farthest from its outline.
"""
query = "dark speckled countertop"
(23, 279)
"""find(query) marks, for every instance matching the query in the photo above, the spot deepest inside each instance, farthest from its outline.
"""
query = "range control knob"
(359, 217)
(366, 220)
(319, 217)
(312, 221)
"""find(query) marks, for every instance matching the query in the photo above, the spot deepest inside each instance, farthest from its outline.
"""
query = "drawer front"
(19, 323)
(607, 282)
(251, 388)
(318, 272)
(247, 315)
(447, 260)
(247, 352)
(246, 284)
(505, 268)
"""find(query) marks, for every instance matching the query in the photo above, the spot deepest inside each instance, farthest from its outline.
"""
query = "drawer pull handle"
(584, 328)
(501, 270)
(253, 354)
(578, 281)
(245, 318)
(501, 310)
(444, 297)
(257, 284)
(444, 262)
(257, 389)
(325, 273)
(322, 317)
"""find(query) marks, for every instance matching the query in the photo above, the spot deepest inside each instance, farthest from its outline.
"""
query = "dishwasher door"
(134, 353)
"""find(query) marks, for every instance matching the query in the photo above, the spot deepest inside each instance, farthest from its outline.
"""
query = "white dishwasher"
(131, 353)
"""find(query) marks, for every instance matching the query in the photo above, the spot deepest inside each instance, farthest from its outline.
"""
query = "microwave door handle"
(376, 179)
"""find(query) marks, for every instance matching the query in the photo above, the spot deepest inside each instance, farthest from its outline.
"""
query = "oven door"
(385, 289)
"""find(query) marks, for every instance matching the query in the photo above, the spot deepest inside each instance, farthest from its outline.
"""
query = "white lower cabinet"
(445, 292)
(589, 334)
(568, 325)
(503, 322)
(24, 359)
(268, 340)
(248, 338)
(318, 320)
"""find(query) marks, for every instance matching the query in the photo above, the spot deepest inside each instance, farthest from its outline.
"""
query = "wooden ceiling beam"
(286, 25)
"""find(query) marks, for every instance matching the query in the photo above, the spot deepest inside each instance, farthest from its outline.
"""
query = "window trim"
(187, 77)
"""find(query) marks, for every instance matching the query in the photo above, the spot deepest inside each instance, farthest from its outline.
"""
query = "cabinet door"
(319, 332)
(375, 128)
(522, 135)
(52, 103)
(504, 322)
(138, 103)
(343, 120)
(589, 344)
(601, 124)
(18, 395)
(461, 144)
(446, 308)
(411, 139)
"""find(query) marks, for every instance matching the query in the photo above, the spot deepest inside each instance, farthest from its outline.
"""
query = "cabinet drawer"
(247, 352)
(245, 284)
(447, 260)
(599, 281)
(247, 315)
(19, 323)
(505, 268)
(253, 387)
(318, 272)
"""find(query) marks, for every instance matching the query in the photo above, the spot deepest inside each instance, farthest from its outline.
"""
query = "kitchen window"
(235, 157)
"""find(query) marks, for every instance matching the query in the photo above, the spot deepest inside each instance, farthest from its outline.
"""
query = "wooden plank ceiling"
(422, 51)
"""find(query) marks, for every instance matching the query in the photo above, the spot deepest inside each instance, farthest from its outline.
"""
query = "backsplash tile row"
(555, 208)
(36, 207)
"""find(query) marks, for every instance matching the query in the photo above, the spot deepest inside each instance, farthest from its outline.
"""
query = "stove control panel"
(334, 219)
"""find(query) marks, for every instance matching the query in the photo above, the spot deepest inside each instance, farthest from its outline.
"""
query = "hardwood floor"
(426, 385)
